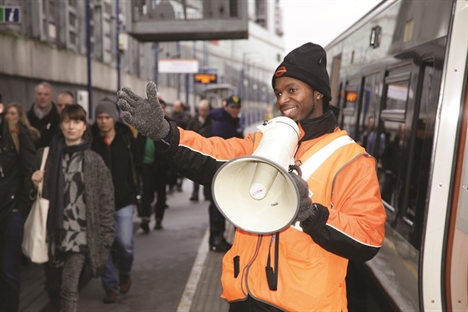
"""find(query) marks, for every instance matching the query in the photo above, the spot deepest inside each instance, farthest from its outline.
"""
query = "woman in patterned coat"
(79, 188)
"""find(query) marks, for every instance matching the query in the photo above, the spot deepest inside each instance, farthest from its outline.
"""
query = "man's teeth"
(288, 111)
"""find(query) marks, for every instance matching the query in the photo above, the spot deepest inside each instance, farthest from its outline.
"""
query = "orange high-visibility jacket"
(311, 267)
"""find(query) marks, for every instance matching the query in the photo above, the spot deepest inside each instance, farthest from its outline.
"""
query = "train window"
(397, 93)
(368, 132)
(350, 105)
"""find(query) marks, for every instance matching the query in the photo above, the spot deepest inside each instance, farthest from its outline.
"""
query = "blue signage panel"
(10, 14)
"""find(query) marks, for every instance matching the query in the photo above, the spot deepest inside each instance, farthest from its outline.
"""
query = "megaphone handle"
(295, 168)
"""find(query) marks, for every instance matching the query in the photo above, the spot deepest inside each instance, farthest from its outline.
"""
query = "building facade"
(51, 44)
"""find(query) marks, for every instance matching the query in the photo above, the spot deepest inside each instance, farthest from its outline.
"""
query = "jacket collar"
(316, 127)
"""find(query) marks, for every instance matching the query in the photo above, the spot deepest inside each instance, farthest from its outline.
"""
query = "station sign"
(10, 14)
(205, 78)
(178, 66)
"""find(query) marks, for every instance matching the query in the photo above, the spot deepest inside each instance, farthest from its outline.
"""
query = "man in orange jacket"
(344, 220)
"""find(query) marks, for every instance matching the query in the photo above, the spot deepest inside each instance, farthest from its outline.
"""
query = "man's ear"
(318, 95)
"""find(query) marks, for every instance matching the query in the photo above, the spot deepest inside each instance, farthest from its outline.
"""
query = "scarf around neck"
(318, 126)
(56, 180)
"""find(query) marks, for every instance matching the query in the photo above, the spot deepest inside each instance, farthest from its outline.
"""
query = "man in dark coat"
(181, 117)
(44, 115)
(201, 124)
(225, 124)
(17, 154)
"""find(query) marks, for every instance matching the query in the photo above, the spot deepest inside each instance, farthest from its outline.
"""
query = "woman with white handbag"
(80, 219)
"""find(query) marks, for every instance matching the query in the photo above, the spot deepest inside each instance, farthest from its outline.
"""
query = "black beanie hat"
(307, 63)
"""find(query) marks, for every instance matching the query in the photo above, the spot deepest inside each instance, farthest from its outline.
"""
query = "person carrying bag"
(34, 244)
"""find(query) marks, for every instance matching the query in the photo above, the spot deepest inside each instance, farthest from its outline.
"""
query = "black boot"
(158, 225)
(144, 225)
(221, 245)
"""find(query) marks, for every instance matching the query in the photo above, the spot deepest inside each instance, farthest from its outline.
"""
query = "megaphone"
(256, 193)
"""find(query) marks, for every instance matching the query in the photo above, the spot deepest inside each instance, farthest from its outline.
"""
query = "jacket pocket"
(236, 262)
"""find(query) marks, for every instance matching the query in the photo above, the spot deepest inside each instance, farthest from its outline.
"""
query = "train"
(399, 77)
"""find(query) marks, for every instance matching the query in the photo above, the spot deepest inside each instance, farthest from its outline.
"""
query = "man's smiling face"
(296, 99)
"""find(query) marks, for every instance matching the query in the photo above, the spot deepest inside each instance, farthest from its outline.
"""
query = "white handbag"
(34, 244)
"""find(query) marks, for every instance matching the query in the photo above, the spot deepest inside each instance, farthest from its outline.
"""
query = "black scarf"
(56, 180)
(316, 127)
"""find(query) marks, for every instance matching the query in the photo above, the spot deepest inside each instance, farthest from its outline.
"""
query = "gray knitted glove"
(305, 205)
(146, 115)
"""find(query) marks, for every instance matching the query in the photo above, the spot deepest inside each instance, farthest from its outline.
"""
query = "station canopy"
(186, 20)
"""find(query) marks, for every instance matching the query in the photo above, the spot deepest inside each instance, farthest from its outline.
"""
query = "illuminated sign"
(351, 97)
(205, 78)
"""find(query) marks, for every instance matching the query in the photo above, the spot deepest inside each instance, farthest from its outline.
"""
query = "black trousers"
(154, 180)
(217, 224)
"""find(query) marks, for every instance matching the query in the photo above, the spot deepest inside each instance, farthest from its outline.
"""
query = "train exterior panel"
(399, 76)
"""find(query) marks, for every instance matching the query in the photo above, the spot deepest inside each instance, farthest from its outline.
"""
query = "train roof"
(382, 6)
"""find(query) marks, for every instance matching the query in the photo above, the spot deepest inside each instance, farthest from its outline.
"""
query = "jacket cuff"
(316, 220)
(166, 145)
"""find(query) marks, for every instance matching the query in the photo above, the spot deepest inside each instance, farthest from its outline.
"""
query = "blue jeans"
(10, 261)
(123, 247)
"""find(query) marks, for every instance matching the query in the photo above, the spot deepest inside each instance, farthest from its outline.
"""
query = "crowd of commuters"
(92, 178)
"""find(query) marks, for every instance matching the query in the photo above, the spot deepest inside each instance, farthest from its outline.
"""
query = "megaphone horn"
(256, 193)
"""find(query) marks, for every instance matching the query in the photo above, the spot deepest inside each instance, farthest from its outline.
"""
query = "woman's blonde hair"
(23, 119)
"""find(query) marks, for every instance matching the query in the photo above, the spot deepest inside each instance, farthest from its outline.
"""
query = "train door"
(411, 93)
(412, 212)
(444, 256)
(393, 118)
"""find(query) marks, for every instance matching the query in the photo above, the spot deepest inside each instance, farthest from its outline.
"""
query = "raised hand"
(146, 115)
